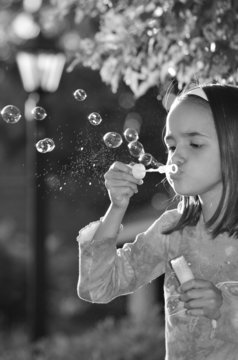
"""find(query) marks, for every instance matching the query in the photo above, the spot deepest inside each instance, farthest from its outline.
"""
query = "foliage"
(144, 42)
(110, 340)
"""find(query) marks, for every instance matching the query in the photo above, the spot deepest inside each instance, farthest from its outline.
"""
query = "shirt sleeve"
(106, 272)
(226, 327)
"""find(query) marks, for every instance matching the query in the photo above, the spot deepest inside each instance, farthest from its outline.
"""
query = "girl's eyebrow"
(185, 134)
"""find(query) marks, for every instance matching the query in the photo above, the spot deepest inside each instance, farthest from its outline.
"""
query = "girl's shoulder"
(169, 217)
(166, 220)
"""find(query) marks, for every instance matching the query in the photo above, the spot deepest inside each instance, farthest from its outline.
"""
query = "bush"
(109, 340)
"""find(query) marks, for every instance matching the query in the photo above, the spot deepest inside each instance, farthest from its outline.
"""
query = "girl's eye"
(196, 146)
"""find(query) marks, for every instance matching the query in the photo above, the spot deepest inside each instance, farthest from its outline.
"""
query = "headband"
(198, 92)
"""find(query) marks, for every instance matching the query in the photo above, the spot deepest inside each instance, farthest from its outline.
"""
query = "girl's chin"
(183, 190)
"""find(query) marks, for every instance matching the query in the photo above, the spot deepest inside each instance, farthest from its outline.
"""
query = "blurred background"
(130, 58)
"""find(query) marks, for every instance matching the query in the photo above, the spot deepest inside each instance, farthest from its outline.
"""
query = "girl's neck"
(208, 211)
(209, 203)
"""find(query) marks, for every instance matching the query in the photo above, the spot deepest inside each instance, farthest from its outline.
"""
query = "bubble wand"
(173, 168)
(139, 171)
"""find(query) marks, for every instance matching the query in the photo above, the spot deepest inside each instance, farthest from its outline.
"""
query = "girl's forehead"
(190, 116)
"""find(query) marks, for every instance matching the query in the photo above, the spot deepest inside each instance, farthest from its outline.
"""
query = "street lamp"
(40, 73)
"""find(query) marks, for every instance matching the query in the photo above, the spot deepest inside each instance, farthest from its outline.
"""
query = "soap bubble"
(131, 135)
(11, 114)
(80, 94)
(145, 159)
(45, 145)
(136, 149)
(39, 113)
(112, 139)
(155, 163)
(94, 118)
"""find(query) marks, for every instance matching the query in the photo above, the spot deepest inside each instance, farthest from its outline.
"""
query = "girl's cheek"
(169, 156)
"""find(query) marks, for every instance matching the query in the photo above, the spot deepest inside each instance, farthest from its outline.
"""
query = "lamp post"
(40, 73)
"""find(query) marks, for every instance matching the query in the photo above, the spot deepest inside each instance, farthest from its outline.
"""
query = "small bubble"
(132, 163)
(112, 139)
(53, 181)
(80, 95)
(131, 135)
(39, 113)
(11, 114)
(94, 118)
(45, 145)
(136, 149)
(145, 159)
(155, 163)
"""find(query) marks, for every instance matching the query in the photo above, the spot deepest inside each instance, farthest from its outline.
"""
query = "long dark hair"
(223, 101)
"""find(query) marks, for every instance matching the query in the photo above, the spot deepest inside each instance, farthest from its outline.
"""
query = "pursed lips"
(175, 176)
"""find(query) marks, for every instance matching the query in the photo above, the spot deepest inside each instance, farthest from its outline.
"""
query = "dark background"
(75, 194)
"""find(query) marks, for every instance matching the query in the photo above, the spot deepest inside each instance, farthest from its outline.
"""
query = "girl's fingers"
(192, 294)
(195, 284)
(205, 293)
(123, 191)
(116, 184)
(197, 304)
(195, 312)
(119, 166)
(120, 175)
(120, 183)
(129, 192)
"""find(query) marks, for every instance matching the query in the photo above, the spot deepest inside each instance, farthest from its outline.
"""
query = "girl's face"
(192, 144)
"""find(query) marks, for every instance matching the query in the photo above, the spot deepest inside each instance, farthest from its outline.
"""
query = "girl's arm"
(106, 272)
(121, 186)
(111, 222)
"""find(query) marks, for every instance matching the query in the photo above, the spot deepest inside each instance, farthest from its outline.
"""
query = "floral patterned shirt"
(106, 272)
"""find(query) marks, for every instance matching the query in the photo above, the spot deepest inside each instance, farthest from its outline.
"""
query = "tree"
(144, 43)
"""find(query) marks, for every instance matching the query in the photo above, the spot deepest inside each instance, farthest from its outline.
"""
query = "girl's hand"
(201, 298)
(121, 184)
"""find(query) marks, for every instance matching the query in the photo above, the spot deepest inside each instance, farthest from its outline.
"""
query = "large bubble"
(95, 118)
(155, 163)
(145, 159)
(11, 114)
(39, 113)
(131, 135)
(112, 139)
(45, 145)
(80, 95)
(136, 149)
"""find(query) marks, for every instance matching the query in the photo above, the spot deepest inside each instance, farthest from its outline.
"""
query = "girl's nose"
(178, 156)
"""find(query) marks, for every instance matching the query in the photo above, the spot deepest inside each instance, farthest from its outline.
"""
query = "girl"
(201, 315)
